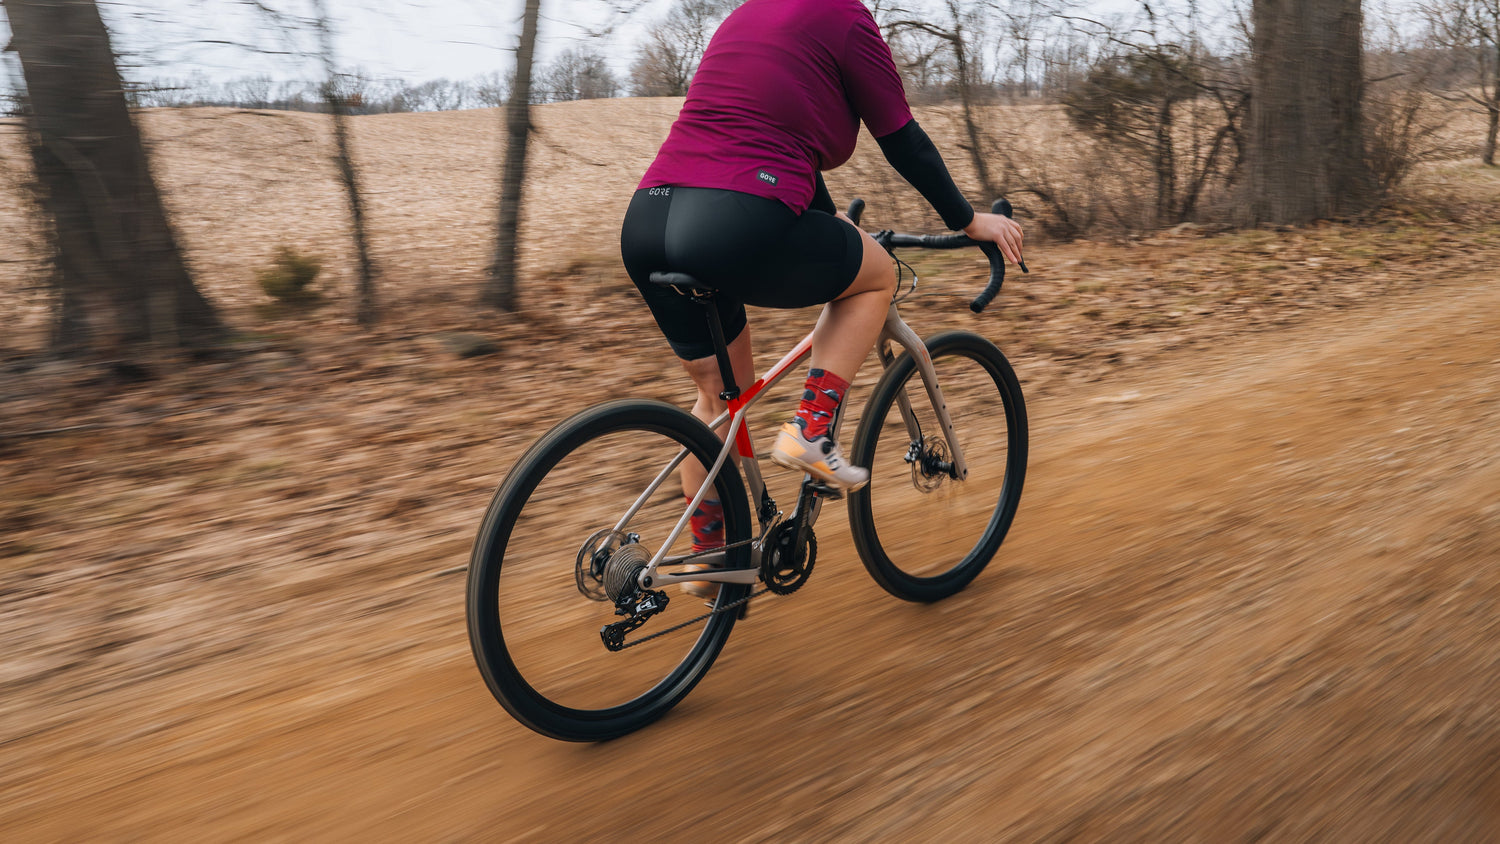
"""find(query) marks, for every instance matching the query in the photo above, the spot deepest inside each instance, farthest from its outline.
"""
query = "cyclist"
(735, 198)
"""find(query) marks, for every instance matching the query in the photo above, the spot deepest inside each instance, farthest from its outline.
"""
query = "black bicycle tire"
(881, 567)
(486, 637)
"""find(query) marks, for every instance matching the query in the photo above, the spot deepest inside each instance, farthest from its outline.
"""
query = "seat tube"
(721, 350)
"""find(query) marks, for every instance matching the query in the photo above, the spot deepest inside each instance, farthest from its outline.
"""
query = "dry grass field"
(1251, 592)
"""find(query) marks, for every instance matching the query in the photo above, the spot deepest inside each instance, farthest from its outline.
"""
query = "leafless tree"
(338, 100)
(433, 95)
(251, 91)
(925, 64)
(500, 288)
(114, 242)
(1133, 100)
(492, 90)
(674, 45)
(1024, 29)
(959, 29)
(1471, 28)
(1306, 151)
(578, 73)
(1165, 99)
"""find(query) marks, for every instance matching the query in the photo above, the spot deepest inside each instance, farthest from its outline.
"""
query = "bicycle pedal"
(830, 492)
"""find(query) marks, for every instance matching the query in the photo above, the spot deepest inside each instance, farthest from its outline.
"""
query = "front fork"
(897, 332)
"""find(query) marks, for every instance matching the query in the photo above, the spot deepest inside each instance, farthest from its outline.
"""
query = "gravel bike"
(573, 612)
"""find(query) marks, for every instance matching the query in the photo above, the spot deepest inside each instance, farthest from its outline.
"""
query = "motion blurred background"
(286, 289)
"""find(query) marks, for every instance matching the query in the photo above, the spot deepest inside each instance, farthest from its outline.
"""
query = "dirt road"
(1253, 592)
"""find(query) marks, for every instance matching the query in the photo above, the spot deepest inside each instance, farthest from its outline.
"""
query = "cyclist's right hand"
(1003, 231)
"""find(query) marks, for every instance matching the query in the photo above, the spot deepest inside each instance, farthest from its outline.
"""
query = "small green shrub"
(290, 276)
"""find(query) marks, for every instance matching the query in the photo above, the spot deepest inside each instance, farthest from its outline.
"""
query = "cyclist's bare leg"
(705, 375)
(850, 324)
(846, 331)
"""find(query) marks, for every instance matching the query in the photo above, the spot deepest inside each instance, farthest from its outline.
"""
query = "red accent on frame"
(742, 439)
(742, 442)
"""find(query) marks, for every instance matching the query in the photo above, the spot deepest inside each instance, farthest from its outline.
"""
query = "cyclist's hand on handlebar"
(1003, 231)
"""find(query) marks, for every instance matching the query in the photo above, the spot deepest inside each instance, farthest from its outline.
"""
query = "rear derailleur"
(638, 607)
(622, 586)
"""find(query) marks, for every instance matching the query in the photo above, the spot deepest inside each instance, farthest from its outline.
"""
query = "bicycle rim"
(533, 626)
(922, 534)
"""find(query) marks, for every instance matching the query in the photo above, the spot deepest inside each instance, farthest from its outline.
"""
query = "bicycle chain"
(710, 614)
(719, 550)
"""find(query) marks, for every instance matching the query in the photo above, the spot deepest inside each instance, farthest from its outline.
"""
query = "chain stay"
(644, 639)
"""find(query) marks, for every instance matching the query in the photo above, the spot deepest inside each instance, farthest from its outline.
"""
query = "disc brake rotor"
(588, 571)
(929, 462)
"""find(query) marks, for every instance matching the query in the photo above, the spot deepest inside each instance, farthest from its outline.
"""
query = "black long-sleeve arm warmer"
(912, 153)
(821, 200)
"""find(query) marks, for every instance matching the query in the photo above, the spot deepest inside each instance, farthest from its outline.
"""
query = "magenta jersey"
(779, 96)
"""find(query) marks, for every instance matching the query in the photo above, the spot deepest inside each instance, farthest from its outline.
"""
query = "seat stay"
(737, 421)
(651, 489)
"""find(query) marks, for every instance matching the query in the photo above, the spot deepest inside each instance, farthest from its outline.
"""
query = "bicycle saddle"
(683, 283)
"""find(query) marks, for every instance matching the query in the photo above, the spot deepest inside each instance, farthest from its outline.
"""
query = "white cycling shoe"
(819, 457)
(708, 590)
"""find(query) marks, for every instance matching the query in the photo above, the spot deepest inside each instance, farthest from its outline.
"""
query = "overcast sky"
(410, 39)
(413, 40)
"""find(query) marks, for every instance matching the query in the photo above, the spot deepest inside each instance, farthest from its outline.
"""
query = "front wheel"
(923, 532)
(553, 547)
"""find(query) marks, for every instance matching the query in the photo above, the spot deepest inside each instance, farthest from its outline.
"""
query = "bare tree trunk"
(76, 275)
(500, 289)
(1166, 166)
(1489, 137)
(365, 312)
(1195, 186)
(971, 126)
(957, 41)
(1306, 154)
(113, 238)
(1494, 109)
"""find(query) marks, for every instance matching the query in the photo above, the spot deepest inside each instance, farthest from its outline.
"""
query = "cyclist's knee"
(887, 269)
(877, 273)
(705, 374)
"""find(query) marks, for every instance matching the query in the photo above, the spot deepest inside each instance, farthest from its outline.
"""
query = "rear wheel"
(923, 533)
(550, 552)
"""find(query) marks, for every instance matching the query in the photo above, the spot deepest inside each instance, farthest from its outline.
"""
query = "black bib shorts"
(755, 251)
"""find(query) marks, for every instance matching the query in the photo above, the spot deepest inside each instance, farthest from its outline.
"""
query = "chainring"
(785, 568)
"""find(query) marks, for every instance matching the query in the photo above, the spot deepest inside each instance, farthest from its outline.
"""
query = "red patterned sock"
(707, 525)
(820, 399)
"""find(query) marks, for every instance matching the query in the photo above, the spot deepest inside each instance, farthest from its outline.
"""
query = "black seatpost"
(721, 349)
